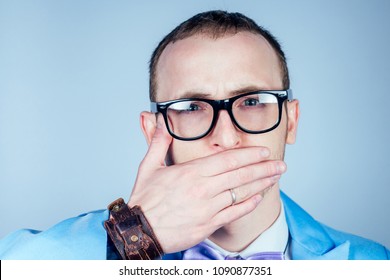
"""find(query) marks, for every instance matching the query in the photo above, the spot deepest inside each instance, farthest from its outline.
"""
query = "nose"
(225, 135)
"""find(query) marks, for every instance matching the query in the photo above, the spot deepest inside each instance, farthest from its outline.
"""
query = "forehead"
(217, 67)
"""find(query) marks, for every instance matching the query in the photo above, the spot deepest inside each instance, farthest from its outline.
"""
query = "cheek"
(276, 145)
(274, 141)
(183, 151)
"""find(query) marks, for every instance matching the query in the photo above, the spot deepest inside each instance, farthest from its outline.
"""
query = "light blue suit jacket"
(84, 237)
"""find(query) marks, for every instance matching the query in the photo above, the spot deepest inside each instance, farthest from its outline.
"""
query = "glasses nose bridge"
(223, 104)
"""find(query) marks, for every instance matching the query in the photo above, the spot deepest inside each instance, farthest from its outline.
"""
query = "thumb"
(159, 145)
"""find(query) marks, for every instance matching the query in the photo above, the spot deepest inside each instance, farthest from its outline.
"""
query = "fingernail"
(276, 178)
(265, 152)
(281, 167)
(258, 198)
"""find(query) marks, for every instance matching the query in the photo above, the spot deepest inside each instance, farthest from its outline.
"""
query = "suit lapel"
(309, 240)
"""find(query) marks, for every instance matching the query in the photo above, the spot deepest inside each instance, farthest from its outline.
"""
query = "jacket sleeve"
(81, 237)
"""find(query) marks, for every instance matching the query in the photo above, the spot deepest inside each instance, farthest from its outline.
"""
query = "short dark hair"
(214, 24)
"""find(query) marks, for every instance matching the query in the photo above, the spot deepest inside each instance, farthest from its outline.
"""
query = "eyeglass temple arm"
(153, 107)
(283, 93)
(289, 94)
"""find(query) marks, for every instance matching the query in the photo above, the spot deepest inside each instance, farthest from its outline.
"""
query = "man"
(222, 113)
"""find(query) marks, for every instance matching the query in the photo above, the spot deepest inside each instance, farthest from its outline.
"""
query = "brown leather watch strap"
(131, 233)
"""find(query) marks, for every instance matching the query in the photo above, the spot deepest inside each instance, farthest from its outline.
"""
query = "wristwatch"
(131, 233)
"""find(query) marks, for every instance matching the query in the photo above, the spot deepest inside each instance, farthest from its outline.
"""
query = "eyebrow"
(245, 89)
(241, 90)
(195, 94)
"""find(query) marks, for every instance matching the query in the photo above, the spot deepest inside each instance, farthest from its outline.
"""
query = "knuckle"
(217, 223)
(231, 162)
(274, 180)
(142, 167)
(242, 193)
(187, 171)
(244, 174)
(199, 192)
(196, 169)
(270, 182)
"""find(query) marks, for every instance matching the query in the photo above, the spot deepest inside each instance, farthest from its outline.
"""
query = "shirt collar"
(274, 239)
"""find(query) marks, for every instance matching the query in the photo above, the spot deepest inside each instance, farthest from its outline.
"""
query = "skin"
(188, 200)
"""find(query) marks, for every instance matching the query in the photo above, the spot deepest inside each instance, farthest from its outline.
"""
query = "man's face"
(200, 66)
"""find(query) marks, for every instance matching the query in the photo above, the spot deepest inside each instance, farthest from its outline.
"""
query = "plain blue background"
(74, 78)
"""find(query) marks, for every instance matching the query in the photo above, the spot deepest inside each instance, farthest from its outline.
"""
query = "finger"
(242, 193)
(246, 191)
(159, 145)
(230, 214)
(246, 175)
(231, 160)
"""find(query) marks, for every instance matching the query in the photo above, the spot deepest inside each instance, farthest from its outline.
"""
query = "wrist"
(131, 232)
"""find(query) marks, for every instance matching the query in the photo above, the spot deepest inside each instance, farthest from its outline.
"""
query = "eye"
(251, 102)
(193, 107)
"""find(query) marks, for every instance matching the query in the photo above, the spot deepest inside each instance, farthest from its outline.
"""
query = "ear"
(148, 122)
(292, 121)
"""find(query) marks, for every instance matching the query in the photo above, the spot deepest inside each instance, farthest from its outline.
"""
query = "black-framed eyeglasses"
(193, 118)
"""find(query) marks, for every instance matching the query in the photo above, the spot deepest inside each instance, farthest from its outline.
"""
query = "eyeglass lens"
(255, 113)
